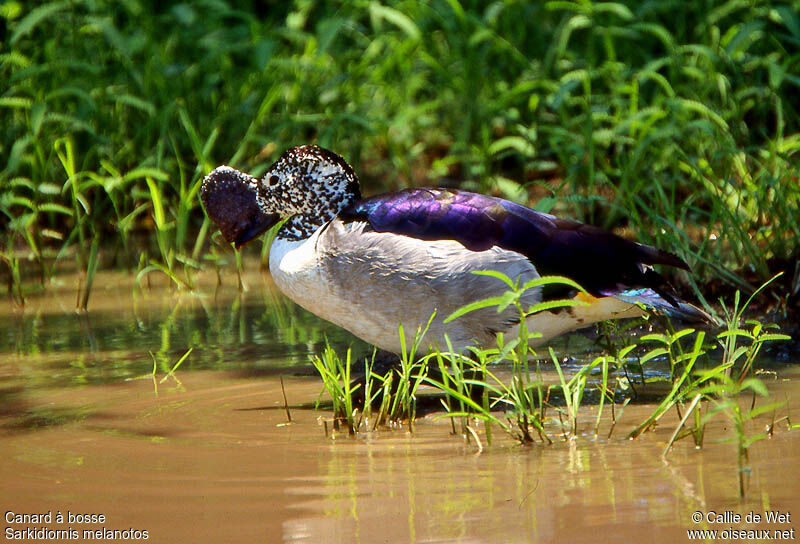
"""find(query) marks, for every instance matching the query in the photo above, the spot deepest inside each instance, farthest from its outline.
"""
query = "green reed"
(462, 379)
(336, 380)
(409, 376)
(353, 400)
(523, 397)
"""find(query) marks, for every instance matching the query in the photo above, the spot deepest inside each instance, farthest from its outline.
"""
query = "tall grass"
(676, 120)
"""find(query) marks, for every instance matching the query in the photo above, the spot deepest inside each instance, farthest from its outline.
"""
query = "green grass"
(169, 371)
(394, 392)
(337, 382)
(700, 387)
(675, 121)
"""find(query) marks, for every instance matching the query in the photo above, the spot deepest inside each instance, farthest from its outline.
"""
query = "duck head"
(308, 184)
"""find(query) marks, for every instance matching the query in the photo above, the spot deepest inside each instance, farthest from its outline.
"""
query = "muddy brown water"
(207, 455)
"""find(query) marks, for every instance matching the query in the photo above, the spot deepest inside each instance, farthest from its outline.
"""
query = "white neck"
(294, 268)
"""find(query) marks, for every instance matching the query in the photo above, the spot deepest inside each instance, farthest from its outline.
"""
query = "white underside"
(369, 283)
(296, 269)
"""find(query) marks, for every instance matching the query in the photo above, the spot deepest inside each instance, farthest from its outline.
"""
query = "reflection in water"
(214, 459)
(421, 489)
(254, 331)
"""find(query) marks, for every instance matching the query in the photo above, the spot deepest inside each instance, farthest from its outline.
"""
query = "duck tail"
(673, 308)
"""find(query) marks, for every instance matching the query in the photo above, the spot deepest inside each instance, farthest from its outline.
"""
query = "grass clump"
(336, 380)
(394, 392)
(523, 397)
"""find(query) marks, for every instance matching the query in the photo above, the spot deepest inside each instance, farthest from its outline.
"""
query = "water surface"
(208, 454)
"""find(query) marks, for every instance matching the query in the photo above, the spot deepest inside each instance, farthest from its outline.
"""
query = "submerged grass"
(169, 371)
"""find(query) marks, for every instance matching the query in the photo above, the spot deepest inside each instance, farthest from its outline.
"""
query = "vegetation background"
(674, 122)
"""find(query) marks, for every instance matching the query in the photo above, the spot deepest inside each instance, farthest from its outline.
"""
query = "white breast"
(300, 272)
(295, 268)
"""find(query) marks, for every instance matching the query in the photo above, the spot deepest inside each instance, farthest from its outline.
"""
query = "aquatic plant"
(395, 391)
(409, 376)
(169, 371)
(338, 383)
(723, 385)
(523, 397)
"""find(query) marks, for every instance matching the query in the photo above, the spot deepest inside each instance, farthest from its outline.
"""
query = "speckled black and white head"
(308, 184)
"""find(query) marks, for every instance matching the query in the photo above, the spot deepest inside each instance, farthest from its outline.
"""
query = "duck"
(413, 257)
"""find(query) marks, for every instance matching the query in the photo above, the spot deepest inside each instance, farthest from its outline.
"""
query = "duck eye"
(273, 180)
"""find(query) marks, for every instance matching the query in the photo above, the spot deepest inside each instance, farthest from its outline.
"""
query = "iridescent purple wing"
(602, 262)
(435, 214)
